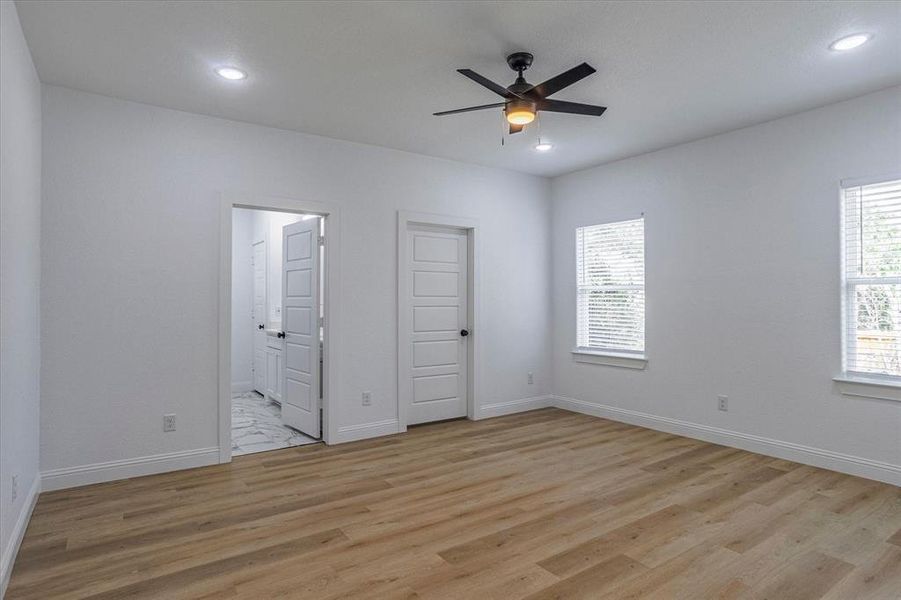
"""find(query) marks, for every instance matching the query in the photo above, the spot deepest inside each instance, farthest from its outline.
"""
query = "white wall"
(130, 265)
(20, 279)
(242, 300)
(742, 277)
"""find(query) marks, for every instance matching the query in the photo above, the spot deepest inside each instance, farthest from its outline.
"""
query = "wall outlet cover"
(722, 403)
(169, 422)
(367, 398)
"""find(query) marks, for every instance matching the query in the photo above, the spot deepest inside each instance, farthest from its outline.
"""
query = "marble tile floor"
(257, 426)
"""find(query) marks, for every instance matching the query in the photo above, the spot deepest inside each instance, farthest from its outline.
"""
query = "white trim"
(818, 457)
(499, 409)
(611, 359)
(404, 219)
(851, 385)
(870, 180)
(363, 431)
(239, 387)
(68, 477)
(18, 533)
(330, 346)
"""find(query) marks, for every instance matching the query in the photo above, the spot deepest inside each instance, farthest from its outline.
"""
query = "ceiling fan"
(522, 100)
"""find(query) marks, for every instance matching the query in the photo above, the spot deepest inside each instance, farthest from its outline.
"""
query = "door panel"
(259, 317)
(271, 373)
(428, 283)
(434, 354)
(435, 248)
(437, 287)
(443, 319)
(300, 306)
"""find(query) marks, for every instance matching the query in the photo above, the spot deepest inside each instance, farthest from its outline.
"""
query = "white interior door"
(300, 324)
(436, 387)
(259, 316)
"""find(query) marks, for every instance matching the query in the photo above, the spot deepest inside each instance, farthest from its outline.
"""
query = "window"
(610, 288)
(871, 249)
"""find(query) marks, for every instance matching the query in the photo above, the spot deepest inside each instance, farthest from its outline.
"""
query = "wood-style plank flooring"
(546, 504)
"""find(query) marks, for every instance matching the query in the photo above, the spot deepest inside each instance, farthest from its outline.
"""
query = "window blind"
(610, 287)
(871, 217)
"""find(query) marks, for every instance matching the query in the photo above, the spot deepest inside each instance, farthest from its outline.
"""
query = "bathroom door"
(300, 326)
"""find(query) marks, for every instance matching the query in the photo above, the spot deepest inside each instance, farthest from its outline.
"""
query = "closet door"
(434, 385)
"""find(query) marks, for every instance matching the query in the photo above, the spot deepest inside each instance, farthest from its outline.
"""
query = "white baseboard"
(808, 455)
(240, 387)
(15, 539)
(353, 433)
(499, 409)
(57, 479)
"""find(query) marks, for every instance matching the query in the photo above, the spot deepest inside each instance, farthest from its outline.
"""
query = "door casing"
(471, 226)
(331, 385)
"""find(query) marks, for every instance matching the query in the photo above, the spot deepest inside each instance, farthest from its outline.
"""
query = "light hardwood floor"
(546, 504)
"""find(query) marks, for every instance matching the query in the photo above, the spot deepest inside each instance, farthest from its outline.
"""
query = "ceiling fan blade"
(565, 79)
(515, 128)
(561, 106)
(471, 108)
(484, 81)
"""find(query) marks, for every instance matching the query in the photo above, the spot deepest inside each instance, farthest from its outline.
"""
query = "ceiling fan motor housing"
(517, 104)
(520, 61)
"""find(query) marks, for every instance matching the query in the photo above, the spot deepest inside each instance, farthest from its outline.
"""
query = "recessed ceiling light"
(543, 146)
(849, 42)
(231, 73)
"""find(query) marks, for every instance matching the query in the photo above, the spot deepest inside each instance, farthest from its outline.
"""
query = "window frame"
(851, 382)
(616, 357)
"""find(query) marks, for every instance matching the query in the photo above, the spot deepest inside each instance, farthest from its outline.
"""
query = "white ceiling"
(374, 72)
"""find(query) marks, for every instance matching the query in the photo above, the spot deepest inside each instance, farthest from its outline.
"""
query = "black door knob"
(281, 334)
(259, 326)
(464, 332)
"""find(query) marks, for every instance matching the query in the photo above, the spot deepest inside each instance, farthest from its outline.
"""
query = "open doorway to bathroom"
(277, 329)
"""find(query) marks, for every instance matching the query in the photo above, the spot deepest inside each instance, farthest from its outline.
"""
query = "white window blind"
(610, 281)
(872, 278)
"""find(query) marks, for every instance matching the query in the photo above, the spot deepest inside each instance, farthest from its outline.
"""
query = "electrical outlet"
(367, 398)
(15, 487)
(169, 422)
(722, 403)
(531, 378)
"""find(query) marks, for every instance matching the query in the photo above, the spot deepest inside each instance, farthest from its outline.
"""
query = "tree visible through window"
(872, 278)
(610, 287)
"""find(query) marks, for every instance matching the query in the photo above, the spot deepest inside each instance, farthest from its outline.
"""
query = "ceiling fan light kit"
(520, 112)
(522, 100)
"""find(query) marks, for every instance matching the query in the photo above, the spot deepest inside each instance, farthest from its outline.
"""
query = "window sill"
(883, 389)
(611, 359)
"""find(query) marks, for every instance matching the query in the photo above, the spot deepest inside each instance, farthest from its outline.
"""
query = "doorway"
(277, 326)
(274, 335)
(437, 277)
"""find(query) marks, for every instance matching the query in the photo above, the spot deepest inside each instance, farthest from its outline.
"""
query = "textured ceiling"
(374, 72)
